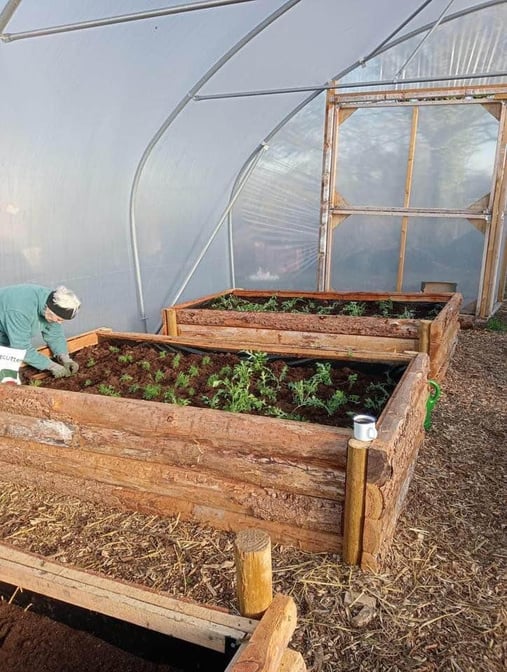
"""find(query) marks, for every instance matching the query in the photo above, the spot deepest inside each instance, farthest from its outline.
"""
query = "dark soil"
(30, 642)
(386, 308)
(217, 380)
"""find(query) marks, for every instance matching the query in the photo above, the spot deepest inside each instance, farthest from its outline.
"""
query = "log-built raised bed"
(229, 470)
(364, 337)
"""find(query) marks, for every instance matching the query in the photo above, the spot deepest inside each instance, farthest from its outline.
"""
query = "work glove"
(71, 366)
(58, 370)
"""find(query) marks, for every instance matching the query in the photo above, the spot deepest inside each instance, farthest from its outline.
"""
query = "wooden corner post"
(424, 336)
(252, 553)
(355, 495)
(171, 322)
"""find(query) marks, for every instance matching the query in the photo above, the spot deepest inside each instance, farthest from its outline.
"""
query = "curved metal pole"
(7, 12)
(123, 18)
(428, 34)
(232, 200)
(169, 120)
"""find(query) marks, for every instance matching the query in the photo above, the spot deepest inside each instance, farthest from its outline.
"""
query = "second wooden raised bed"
(229, 470)
(361, 337)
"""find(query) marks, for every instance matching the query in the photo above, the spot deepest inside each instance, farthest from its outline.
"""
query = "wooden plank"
(494, 92)
(497, 207)
(331, 295)
(182, 619)
(317, 477)
(299, 322)
(406, 198)
(190, 487)
(75, 343)
(205, 343)
(292, 661)
(265, 650)
(341, 345)
(311, 540)
(274, 437)
(327, 192)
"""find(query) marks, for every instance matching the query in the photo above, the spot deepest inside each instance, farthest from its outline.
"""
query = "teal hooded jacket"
(22, 317)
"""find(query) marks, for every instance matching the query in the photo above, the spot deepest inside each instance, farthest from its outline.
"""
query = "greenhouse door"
(413, 190)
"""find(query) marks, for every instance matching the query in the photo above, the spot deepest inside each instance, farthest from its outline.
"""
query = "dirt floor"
(440, 603)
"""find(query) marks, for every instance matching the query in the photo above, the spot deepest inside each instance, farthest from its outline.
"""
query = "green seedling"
(159, 376)
(108, 390)
(90, 362)
(385, 307)
(151, 392)
(126, 378)
(125, 359)
(146, 366)
(354, 308)
(114, 348)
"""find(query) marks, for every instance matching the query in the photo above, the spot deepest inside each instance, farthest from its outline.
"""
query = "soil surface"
(30, 642)
(386, 308)
(326, 392)
(439, 603)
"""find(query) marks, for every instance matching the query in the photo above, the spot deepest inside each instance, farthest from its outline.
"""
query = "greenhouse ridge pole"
(352, 85)
(123, 18)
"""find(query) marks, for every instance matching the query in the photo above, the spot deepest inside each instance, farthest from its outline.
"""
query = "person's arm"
(54, 337)
(18, 329)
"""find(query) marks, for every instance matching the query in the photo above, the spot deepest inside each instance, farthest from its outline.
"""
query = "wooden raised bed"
(263, 643)
(229, 470)
(361, 337)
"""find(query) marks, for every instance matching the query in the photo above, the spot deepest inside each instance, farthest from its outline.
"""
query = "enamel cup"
(364, 427)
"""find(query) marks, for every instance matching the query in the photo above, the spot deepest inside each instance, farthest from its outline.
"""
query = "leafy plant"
(107, 390)
(182, 379)
(151, 391)
(385, 307)
(354, 308)
(125, 359)
(126, 378)
(176, 360)
(159, 376)
(114, 348)
(90, 362)
(145, 365)
(407, 314)
(35, 383)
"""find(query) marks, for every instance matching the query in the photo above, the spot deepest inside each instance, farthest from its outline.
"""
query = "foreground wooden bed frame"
(262, 643)
(228, 470)
(361, 337)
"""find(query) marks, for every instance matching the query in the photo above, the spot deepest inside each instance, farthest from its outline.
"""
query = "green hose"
(434, 396)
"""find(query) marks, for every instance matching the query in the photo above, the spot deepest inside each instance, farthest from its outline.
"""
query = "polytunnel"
(158, 151)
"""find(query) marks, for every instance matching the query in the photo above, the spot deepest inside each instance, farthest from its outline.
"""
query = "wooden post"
(172, 324)
(424, 336)
(252, 553)
(355, 496)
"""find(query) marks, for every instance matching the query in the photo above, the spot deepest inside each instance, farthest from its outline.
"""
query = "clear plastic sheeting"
(115, 180)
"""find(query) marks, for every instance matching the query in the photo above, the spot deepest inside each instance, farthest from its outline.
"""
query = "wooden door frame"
(334, 209)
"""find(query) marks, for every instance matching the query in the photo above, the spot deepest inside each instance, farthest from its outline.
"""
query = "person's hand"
(71, 366)
(58, 370)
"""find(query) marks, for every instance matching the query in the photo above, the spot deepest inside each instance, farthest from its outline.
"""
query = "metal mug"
(364, 427)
